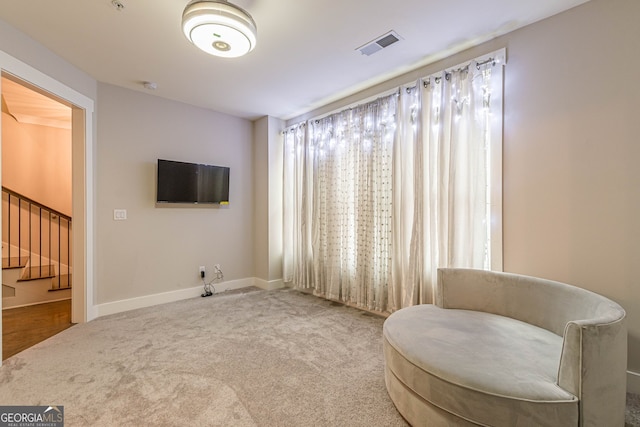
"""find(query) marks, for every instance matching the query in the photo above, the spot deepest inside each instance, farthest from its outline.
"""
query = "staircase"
(36, 252)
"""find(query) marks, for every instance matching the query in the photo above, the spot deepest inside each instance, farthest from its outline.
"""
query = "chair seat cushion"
(482, 367)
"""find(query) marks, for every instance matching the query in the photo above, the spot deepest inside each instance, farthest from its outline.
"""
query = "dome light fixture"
(219, 28)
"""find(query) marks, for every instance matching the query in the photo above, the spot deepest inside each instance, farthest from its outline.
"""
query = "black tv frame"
(191, 183)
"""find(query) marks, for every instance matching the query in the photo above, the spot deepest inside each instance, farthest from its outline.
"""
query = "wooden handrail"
(33, 202)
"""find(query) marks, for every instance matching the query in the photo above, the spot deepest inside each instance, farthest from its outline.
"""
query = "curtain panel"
(378, 196)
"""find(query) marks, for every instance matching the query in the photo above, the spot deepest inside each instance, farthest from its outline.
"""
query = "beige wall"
(27, 50)
(571, 193)
(261, 197)
(159, 249)
(571, 150)
(268, 164)
(276, 170)
(36, 162)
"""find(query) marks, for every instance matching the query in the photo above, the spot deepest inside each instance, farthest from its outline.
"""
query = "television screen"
(180, 182)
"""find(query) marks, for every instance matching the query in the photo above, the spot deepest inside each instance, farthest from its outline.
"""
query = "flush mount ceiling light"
(219, 28)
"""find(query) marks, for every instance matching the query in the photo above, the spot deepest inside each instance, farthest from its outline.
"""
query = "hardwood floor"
(24, 327)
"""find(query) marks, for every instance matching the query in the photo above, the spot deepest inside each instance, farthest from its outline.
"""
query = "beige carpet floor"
(247, 358)
(257, 358)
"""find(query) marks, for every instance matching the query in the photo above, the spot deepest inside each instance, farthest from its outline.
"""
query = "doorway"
(37, 271)
(81, 257)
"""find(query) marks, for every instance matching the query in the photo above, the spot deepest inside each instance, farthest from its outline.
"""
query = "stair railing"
(47, 231)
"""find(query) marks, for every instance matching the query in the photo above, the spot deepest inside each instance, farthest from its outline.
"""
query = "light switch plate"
(119, 214)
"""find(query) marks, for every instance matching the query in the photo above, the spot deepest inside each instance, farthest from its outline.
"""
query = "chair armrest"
(593, 367)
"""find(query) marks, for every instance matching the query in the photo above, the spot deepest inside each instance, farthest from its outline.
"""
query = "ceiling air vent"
(379, 43)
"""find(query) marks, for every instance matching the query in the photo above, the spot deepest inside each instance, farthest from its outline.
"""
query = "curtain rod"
(426, 81)
(496, 57)
(355, 104)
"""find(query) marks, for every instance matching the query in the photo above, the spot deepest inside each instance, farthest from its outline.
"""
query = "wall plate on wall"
(119, 214)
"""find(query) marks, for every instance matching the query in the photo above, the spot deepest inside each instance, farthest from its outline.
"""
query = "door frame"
(82, 135)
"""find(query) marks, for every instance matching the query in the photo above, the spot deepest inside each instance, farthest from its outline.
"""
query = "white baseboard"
(633, 382)
(268, 285)
(165, 297)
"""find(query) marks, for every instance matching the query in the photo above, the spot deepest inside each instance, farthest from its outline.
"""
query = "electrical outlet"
(202, 271)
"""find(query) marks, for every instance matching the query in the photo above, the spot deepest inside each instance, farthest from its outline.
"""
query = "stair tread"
(14, 262)
(37, 272)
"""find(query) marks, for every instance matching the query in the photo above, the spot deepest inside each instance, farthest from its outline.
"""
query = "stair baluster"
(53, 226)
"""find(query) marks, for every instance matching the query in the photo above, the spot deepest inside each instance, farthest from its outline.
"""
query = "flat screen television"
(180, 182)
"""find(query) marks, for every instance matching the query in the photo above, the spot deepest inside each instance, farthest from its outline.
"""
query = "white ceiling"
(305, 57)
(29, 106)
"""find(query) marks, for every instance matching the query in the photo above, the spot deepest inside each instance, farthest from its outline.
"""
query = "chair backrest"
(544, 303)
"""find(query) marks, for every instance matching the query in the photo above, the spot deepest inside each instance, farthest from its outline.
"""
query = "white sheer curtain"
(297, 179)
(456, 180)
(338, 188)
(407, 258)
(379, 196)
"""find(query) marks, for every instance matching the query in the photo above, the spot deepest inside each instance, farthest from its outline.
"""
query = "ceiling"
(30, 106)
(306, 55)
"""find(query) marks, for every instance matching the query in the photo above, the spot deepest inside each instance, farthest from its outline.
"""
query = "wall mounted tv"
(180, 182)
